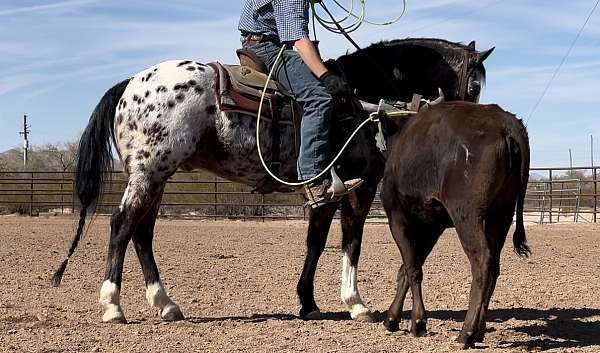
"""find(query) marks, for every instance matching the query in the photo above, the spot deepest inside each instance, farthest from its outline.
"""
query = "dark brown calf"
(457, 165)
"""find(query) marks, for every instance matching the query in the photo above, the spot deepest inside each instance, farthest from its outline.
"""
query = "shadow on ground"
(330, 316)
(558, 328)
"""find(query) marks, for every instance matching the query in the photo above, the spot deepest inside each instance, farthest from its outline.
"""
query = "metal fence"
(562, 195)
(186, 195)
(553, 195)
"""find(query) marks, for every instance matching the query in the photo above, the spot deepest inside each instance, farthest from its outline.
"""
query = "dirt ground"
(235, 282)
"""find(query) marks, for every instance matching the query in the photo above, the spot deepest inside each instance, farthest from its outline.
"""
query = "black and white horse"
(166, 117)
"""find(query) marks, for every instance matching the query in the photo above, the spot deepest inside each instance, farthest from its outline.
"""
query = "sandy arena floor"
(236, 284)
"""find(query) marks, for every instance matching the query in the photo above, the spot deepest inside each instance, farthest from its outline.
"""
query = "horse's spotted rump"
(152, 110)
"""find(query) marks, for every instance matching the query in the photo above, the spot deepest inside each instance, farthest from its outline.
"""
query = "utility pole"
(592, 148)
(570, 160)
(25, 134)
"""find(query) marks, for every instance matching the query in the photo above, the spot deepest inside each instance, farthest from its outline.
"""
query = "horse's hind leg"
(141, 191)
(355, 208)
(155, 291)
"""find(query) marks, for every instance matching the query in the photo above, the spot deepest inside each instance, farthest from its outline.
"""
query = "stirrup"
(336, 191)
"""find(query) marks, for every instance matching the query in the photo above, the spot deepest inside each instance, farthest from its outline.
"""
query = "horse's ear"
(484, 55)
(471, 45)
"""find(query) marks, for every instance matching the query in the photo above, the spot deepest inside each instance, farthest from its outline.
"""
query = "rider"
(266, 25)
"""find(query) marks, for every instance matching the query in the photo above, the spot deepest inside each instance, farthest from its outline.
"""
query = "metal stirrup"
(339, 189)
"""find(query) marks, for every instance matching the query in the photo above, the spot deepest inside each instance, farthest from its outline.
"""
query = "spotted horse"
(167, 117)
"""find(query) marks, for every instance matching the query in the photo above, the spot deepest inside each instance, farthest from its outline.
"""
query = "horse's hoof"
(364, 317)
(114, 315)
(313, 315)
(360, 313)
(391, 325)
(172, 313)
(467, 340)
(309, 312)
(419, 328)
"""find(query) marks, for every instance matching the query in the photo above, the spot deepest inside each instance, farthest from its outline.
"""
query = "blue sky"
(58, 57)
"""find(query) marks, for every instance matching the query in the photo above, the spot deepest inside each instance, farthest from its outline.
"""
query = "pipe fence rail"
(553, 195)
(186, 195)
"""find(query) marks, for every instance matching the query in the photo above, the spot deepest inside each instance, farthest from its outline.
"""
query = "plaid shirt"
(286, 19)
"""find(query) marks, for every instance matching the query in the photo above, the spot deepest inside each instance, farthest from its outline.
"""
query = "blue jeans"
(294, 75)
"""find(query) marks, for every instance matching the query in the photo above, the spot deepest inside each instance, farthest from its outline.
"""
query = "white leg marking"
(109, 298)
(349, 292)
(158, 298)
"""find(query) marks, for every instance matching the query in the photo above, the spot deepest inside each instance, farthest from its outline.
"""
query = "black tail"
(519, 238)
(94, 157)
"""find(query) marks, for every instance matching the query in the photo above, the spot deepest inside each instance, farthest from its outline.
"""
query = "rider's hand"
(335, 85)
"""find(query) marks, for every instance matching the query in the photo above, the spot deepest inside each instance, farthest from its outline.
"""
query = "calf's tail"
(521, 141)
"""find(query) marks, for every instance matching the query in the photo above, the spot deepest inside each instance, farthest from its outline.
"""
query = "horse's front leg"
(355, 208)
(318, 228)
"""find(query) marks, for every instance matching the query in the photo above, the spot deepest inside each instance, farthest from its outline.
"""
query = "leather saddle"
(239, 89)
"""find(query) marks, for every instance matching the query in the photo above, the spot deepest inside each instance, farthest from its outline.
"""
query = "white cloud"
(41, 8)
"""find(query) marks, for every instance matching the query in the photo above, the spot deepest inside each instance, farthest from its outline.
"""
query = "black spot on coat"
(211, 110)
(186, 62)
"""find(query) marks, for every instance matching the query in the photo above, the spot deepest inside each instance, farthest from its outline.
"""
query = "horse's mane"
(427, 42)
(452, 51)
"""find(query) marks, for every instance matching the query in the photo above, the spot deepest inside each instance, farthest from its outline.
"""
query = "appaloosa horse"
(166, 117)
(459, 165)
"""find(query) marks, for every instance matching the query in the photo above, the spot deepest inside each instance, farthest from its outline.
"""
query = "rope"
(337, 157)
(359, 18)
(334, 26)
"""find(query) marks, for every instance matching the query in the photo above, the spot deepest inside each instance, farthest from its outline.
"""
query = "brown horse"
(458, 165)
(167, 117)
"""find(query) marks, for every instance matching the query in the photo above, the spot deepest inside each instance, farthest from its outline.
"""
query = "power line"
(564, 59)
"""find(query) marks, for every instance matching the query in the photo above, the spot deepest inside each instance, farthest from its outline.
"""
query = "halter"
(464, 74)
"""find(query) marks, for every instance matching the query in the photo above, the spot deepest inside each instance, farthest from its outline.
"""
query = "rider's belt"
(251, 40)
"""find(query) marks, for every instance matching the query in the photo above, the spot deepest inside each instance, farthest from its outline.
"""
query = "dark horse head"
(397, 69)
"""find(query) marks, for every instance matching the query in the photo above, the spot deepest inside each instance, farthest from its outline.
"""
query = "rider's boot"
(328, 190)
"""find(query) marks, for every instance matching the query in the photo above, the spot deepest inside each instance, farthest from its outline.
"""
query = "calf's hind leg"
(155, 291)
(485, 267)
(404, 235)
(424, 245)
(139, 193)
